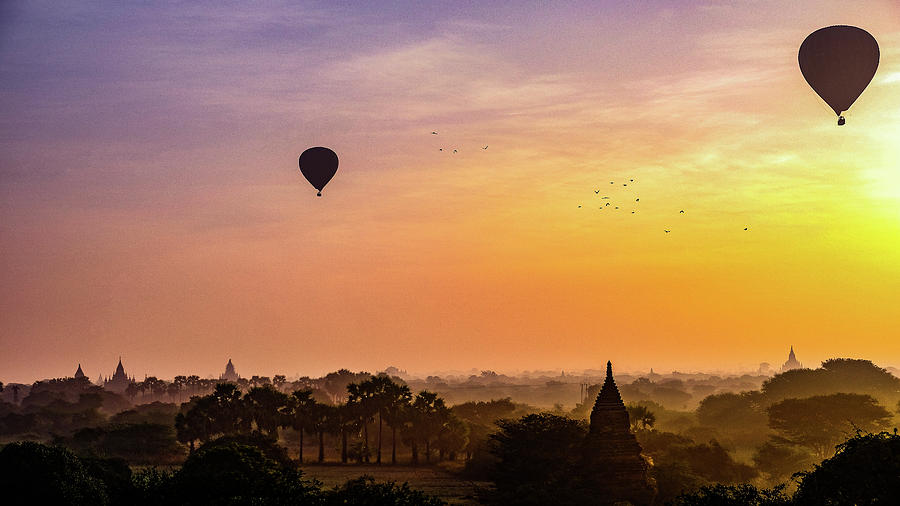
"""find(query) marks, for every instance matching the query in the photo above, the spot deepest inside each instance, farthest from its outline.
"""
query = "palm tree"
(361, 397)
(640, 415)
(344, 420)
(302, 410)
(266, 407)
(394, 398)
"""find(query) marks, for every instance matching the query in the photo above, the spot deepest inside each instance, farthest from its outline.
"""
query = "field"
(433, 480)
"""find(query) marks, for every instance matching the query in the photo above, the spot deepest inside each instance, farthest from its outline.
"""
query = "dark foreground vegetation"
(773, 443)
(229, 470)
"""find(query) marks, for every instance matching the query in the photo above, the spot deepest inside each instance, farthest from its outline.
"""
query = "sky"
(151, 206)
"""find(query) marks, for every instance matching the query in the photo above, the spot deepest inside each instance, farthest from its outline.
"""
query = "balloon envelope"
(318, 166)
(838, 62)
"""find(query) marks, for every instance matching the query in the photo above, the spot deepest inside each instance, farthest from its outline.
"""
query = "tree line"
(423, 423)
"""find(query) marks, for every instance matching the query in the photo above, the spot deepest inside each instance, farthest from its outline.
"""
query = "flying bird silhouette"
(745, 228)
(597, 192)
(637, 200)
(455, 152)
(433, 133)
(607, 203)
(667, 231)
(604, 197)
(484, 147)
(681, 212)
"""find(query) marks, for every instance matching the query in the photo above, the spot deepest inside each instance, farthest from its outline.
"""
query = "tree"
(389, 399)
(266, 407)
(640, 415)
(863, 470)
(302, 411)
(424, 420)
(195, 421)
(733, 495)
(362, 397)
(731, 411)
(778, 460)
(364, 491)
(821, 421)
(538, 457)
(32, 473)
(237, 471)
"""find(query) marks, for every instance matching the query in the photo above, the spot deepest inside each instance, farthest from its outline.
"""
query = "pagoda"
(119, 381)
(792, 362)
(613, 464)
(79, 373)
(230, 374)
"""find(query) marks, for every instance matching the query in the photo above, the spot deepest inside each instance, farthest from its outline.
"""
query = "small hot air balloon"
(318, 166)
(838, 62)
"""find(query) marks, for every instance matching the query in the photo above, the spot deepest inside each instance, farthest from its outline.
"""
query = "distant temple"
(612, 455)
(230, 373)
(119, 381)
(792, 362)
(79, 373)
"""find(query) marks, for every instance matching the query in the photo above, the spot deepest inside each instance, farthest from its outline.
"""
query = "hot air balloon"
(838, 62)
(318, 166)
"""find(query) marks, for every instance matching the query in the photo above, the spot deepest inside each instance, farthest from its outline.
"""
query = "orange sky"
(151, 205)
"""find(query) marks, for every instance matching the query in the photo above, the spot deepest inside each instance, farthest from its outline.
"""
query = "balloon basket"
(841, 121)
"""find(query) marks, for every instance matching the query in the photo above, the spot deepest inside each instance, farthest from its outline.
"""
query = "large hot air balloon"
(318, 166)
(838, 62)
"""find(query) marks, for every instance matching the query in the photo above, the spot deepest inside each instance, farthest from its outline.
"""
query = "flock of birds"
(596, 192)
(637, 199)
(455, 150)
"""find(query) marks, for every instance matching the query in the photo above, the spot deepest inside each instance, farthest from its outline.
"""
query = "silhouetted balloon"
(318, 166)
(838, 62)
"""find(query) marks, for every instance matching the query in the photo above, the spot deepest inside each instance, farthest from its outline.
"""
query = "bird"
(597, 192)
(612, 182)
(631, 180)
(745, 228)
(667, 231)
(484, 147)
(617, 207)
(632, 212)
(604, 197)
(681, 212)
(433, 133)
(455, 152)
(637, 200)
(440, 149)
(607, 203)
(579, 207)
(624, 184)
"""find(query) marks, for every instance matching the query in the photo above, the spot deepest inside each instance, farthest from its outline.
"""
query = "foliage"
(864, 470)
(32, 473)
(538, 457)
(777, 460)
(640, 416)
(821, 421)
(736, 495)
(363, 491)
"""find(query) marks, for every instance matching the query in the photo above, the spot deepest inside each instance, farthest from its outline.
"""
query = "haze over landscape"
(151, 206)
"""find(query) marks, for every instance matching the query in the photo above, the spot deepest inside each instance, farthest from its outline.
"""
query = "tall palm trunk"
(393, 444)
(378, 458)
(415, 453)
(343, 445)
(366, 440)
(300, 458)
(321, 446)
(428, 451)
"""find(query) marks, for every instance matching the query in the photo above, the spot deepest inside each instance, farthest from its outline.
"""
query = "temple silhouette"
(119, 380)
(792, 362)
(230, 374)
(613, 464)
